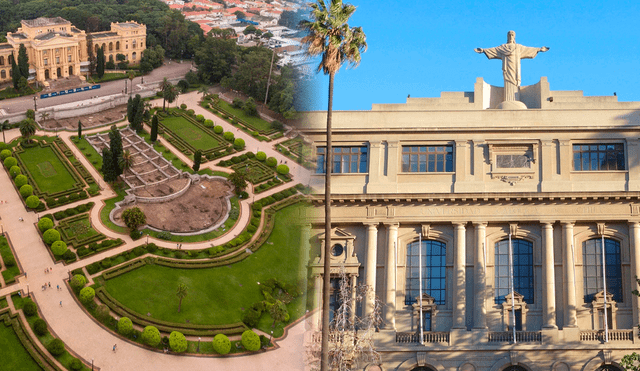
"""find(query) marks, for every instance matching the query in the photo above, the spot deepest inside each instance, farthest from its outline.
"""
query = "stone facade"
(57, 49)
(549, 182)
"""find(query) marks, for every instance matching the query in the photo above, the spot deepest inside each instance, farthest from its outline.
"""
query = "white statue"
(511, 54)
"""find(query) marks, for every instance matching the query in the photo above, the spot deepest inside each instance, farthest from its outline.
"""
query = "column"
(371, 266)
(570, 319)
(459, 294)
(305, 235)
(390, 307)
(634, 233)
(480, 278)
(548, 278)
(352, 313)
(317, 302)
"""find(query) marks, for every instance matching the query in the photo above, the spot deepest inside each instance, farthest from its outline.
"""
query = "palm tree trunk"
(326, 279)
(163, 102)
(180, 305)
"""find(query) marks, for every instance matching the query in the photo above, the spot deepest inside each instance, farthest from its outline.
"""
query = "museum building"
(502, 206)
(56, 49)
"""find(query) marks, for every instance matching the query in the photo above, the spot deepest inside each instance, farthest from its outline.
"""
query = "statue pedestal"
(511, 104)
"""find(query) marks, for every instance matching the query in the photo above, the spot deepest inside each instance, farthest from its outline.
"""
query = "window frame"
(359, 159)
(430, 271)
(605, 157)
(614, 281)
(518, 274)
(412, 160)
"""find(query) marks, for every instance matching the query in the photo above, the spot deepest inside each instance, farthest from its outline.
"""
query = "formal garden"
(11, 268)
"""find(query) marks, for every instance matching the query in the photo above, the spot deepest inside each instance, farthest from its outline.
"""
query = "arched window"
(117, 45)
(97, 47)
(515, 368)
(133, 56)
(110, 46)
(522, 270)
(133, 44)
(434, 282)
(592, 260)
(10, 59)
(1, 60)
(3, 74)
(422, 368)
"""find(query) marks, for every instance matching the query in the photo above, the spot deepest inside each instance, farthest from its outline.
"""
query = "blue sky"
(425, 47)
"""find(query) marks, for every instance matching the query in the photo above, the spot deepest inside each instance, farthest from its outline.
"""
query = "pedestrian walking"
(49, 284)
(58, 287)
(60, 302)
(114, 347)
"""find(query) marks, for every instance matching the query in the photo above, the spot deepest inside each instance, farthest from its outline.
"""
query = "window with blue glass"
(434, 260)
(590, 157)
(427, 159)
(522, 270)
(592, 260)
(334, 298)
(345, 160)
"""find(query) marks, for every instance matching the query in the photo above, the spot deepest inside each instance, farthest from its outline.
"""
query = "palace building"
(508, 202)
(56, 49)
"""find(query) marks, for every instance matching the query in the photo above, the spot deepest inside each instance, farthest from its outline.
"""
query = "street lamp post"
(271, 337)
(35, 104)
(27, 289)
(126, 85)
(198, 345)
(147, 238)
(91, 364)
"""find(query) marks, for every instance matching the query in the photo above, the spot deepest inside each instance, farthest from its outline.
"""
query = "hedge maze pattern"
(183, 144)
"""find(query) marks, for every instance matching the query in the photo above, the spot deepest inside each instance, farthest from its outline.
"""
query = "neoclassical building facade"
(508, 209)
(56, 49)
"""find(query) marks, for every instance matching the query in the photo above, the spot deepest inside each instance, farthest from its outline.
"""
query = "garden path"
(78, 330)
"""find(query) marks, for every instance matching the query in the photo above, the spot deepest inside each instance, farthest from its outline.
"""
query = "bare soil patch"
(200, 207)
(88, 121)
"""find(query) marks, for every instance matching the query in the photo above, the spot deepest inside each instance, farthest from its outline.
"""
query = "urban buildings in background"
(503, 210)
(56, 49)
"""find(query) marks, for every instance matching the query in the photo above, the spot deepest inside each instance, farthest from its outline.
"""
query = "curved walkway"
(79, 331)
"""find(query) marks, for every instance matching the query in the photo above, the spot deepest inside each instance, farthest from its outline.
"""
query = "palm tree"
(331, 37)
(204, 90)
(126, 161)
(132, 75)
(4, 126)
(171, 94)
(27, 129)
(44, 116)
(181, 293)
(164, 86)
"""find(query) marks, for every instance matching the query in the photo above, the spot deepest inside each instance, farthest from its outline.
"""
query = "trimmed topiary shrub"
(77, 282)
(228, 136)
(44, 224)
(208, 123)
(10, 161)
(261, 156)
(33, 202)
(40, 327)
(58, 248)
(15, 171)
(50, 236)
(250, 340)
(177, 342)
(102, 312)
(56, 347)
(21, 180)
(238, 143)
(87, 294)
(4, 154)
(125, 326)
(183, 106)
(271, 162)
(76, 365)
(26, 191)
(9, 261)
(69, 256)
(151, 336)
(221, 344)
(282, 169)
(200, 118)
(29, 308)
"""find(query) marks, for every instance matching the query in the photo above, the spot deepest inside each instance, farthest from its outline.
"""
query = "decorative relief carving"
(421, 358)
(601, 227)
(426, 228)
(513, 179)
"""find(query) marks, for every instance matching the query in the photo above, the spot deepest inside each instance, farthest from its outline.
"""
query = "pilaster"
(371, 266)
(459, 274)
(390, 303)
(480, 278)
(548, 279)
(570, 319)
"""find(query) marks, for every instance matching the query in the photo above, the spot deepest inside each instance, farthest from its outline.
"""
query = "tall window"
(427, 159)
(345, 160)
(592, 257)
(522, 270)
(434, 260)
(598, 157)
(1, 60)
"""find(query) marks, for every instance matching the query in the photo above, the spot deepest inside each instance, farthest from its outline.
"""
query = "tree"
(108, 170)
(239, 14)
(32, 202)
(134, 218)
(79, 129)
(115, 146)
(151, 336)
(5, 126)
(91, 57)
(197, 159)
(278, 312)
(181, 294)
(214, 59)
(154, 128)
(50, 235)
(224, 33)
(239, 181)
(15, 73)
(100, 62)
(250, 340)
(44, 116)
(122, 61)
(77, 282)
(125, 326)
(23, 61)
(131, 75)
(58, 248)
(164, 86)
(126, 161)
(56, 347)
(250, 107)
(177, 342)
(330, 36)
(221, 344)
(170, 94)
(44, 224)
(87, 294)
(27, 129)
(204, 90)
(135, 112)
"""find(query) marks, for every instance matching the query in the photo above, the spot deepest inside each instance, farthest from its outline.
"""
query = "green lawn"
(216, 295)
(10, 273)
(257, 123)
(47, 169)
(190, 133)
(14, 356)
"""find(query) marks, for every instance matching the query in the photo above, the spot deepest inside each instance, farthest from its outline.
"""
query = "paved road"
(81, 334)
(170, 70)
